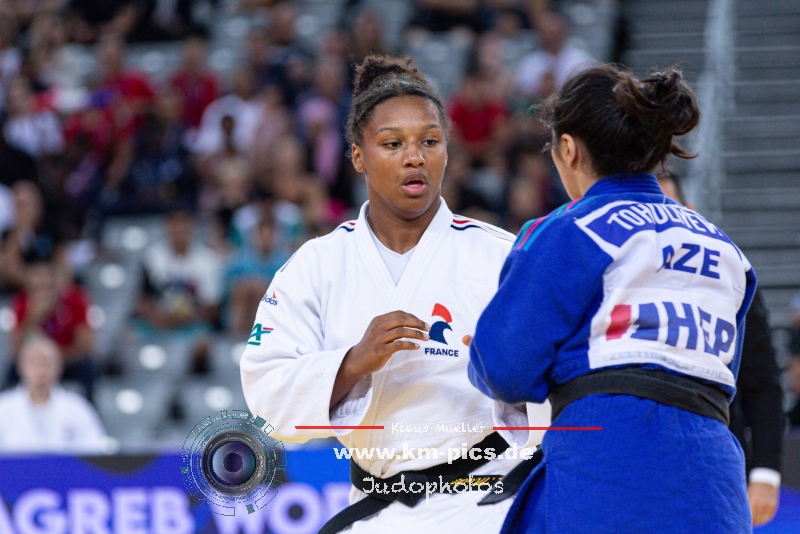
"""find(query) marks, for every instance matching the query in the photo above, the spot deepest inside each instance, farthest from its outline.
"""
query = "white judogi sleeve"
(287, 376)
(529, 414)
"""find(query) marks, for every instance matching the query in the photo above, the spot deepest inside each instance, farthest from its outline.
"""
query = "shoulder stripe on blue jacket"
(531, 230)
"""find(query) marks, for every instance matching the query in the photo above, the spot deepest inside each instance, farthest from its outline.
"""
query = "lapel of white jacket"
(376, 269)
(416, 272)
(401, 296)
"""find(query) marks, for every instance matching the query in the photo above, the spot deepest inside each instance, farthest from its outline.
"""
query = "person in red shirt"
(59, 310)
(130, 94)
(478, 116)
(100, 138)
(194, 82)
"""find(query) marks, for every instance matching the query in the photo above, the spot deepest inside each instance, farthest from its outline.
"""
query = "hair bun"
(663, 100)
(375, 66)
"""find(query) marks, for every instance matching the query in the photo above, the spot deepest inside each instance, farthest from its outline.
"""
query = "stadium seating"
(133, 408)
(761, 198)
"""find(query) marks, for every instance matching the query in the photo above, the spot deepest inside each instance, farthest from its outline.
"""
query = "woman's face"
(403, 154)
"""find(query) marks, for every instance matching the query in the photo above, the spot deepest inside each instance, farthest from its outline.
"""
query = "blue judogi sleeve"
(530, 319)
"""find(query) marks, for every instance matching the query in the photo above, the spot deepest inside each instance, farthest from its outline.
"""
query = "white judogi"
(319, 306)
(65, 424)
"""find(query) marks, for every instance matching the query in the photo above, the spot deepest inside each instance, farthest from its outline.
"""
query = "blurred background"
(161, 159)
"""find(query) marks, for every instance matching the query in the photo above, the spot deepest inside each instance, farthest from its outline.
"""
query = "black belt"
(673, 390)
(441, 474)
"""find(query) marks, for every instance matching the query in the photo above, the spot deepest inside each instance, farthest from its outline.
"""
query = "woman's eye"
(392, 144)
(431, 142)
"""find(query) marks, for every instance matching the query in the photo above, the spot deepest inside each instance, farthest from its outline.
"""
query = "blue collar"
(625, 183)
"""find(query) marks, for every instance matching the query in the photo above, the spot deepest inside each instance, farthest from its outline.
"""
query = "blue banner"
(146, 495)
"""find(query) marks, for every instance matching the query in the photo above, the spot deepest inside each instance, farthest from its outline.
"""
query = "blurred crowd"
(243, 168)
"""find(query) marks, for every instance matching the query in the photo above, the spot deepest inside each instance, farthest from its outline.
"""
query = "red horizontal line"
(547, 428)
(340, 427)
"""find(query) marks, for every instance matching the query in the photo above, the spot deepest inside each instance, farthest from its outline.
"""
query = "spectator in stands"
(491, 63)
(157, 20)
(507, 16)
(100, 138)
(250, 272)
(457, 188)
(16, 164)
(197, 86)
(257, 49)
(89, 19)
(37, 132)
(479, 116)
(49, 66)
(793, 373)
(10, 57)
(288, 218)
(54, 305)
(227, 174)
(446, 15)
(543, 71)
(242, 107)
(794, 321)
(142, 20)
(98, 153)
(336, 44)
(24, 11)
(531, 192)
(284, 62)
(182, 289)
(275, 122)
(161, 175)
(292, 184)
(38, 415)
(366, 36)
(321, 117)
(130, 93)
(6, 215)
(33, 234)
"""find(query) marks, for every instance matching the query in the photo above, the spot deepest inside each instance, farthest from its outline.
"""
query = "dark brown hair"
(626, 124)
(380, 78)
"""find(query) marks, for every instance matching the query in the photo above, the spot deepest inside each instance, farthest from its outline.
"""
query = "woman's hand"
(385, 335)
(763, 502)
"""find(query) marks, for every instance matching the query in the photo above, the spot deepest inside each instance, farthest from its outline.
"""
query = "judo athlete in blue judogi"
(627, 310)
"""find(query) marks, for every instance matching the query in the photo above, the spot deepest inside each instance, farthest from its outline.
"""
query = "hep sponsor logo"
(646, 322)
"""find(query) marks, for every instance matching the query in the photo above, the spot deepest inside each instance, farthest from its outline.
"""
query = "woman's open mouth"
(415, 184)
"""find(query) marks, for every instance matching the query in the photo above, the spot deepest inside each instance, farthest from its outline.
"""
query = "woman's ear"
(357, 158)
(569, 150)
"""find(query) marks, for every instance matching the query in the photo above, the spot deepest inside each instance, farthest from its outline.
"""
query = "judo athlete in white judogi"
(366, 326)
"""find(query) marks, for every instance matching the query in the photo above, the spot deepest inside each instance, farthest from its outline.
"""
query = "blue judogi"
(622, 277)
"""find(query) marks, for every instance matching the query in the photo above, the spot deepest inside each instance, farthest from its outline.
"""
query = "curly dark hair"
(379, 78)
(628, 125)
